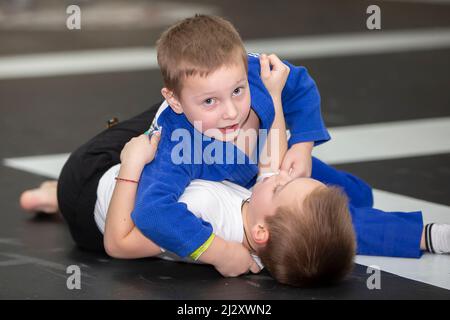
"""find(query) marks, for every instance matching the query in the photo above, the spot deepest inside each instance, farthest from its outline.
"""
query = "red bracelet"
(126, 180)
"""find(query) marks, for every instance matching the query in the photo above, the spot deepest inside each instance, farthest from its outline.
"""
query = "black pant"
(78, 182)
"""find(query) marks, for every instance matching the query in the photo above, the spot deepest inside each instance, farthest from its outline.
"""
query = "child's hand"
(140, 150)
(274, 79)
(298, 162)
(236, 260)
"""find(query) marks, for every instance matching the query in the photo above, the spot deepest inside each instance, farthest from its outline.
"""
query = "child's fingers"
(254, 268)
(265, 67)
(149, 134)
(274, 58)
(276, 62)
(154, 139)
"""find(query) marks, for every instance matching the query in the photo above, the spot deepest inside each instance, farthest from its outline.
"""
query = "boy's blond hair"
(198, 45)
(311, 245)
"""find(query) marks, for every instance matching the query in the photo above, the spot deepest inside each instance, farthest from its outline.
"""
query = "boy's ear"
(174, 103)
(260, 234)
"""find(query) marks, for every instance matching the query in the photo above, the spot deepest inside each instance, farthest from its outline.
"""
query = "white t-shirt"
(218, 203)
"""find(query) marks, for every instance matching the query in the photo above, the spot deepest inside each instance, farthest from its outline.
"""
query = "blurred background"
(385, 98)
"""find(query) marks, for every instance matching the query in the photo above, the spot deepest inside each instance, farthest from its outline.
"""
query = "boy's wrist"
(205, 246)
(277, 104)
(129, 170)
(276, 97)
(306, 147)
(214, 251)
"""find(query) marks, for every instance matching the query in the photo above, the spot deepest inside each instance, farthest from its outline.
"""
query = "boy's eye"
(209, 101)
(238, 91)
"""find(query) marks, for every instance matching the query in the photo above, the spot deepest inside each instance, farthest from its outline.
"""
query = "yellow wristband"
(197, 253)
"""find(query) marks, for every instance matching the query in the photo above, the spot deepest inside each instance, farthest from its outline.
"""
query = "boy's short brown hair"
(198, 45)
(311, 245)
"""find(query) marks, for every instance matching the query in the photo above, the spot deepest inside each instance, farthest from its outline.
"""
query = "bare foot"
(42, 199)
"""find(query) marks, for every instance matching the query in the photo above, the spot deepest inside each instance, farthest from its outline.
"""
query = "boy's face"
(219, 104)
(279, 190)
